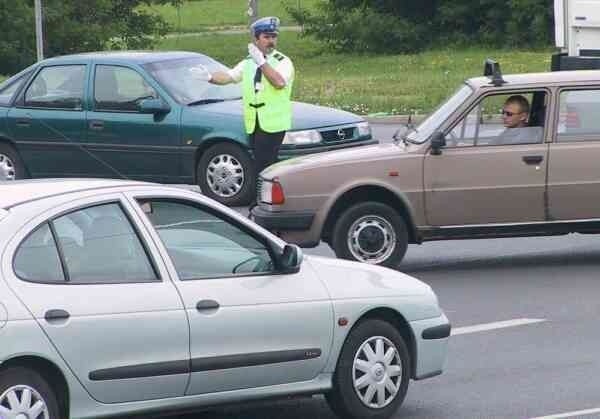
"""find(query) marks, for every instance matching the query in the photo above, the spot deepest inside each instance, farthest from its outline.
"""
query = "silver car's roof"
(13, 193)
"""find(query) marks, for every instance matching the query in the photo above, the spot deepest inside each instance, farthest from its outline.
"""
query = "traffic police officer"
(267, 76)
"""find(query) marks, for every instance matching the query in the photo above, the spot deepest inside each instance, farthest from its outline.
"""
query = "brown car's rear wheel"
(371, 232)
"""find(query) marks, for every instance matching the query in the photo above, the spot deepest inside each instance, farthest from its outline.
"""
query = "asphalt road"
(545, 362)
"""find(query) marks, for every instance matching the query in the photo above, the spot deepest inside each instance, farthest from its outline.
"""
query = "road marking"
(571, 414)
(494, 325)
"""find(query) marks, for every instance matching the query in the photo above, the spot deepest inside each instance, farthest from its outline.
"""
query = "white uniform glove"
(200, 73)
(256, 54)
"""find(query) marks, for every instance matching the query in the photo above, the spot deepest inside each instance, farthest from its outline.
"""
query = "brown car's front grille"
(341, 134)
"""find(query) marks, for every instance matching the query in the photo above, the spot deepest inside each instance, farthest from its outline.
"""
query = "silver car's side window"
(501, 119)
(57, 87)
(203, 245)
(99, 245)
(120, 89)
(37, 259)
(578, 116)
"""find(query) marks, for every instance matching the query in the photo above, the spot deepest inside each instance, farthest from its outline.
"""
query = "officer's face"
(266, 42)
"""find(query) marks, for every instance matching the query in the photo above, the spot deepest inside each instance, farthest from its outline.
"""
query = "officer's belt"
(256, 105)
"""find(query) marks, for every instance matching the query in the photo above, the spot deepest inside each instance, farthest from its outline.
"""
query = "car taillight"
(271, 192)
(277, 194)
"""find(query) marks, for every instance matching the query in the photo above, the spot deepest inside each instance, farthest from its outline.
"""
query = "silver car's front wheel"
(25, 394)
(23, 402)
(372, 372)
(377, 372)
(7, 168)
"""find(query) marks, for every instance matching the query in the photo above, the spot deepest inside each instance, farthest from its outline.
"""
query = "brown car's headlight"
(310, 136)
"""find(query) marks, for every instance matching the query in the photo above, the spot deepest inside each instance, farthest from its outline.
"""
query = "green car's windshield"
(432, 123)
(178, 78)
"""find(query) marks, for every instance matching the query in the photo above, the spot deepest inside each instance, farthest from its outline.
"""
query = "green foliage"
(404, 26)
(76, 26)
(202, 15)
(364, 84)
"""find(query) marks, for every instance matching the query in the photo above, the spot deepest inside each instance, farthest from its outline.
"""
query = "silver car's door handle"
(204, 305)
(533, 159)
(54, 315)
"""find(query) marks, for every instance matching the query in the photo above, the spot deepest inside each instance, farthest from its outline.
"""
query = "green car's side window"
(57, 87)
(8, 91)
(120, 89)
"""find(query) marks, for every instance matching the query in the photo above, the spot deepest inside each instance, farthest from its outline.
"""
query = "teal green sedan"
(145, 116)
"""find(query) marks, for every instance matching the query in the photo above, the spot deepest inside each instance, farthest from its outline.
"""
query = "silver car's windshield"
(178, 78)
(431, 123)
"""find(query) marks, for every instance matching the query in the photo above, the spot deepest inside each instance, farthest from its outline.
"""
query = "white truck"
(577, 34)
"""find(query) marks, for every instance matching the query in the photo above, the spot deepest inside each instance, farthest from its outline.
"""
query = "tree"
(72, 26)
(400, 26)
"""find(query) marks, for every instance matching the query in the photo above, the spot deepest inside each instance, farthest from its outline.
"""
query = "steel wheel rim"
(225, 175)
(377, 372)
(371, 239)
(23, 402)
(7, 168)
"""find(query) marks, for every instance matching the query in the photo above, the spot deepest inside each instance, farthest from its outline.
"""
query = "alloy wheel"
(225, 175)
(23, 402)
(377, 372)
(7, 168)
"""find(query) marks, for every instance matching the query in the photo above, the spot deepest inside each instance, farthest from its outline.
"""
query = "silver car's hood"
(345, 279)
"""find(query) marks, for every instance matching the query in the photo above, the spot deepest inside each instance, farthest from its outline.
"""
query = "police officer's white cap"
(265, 25)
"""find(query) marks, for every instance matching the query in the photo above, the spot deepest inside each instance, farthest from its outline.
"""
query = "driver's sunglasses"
(508, 113)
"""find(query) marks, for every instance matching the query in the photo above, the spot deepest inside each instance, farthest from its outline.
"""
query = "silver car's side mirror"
(290, 259)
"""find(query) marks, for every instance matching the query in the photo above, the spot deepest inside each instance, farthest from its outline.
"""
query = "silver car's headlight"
(364, 129)
(310, 136)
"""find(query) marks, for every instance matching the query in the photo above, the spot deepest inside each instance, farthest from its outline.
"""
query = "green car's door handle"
(23, 122)
(96, 125)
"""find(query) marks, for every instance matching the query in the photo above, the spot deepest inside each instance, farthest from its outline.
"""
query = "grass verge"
(197, 16)
(395, 84)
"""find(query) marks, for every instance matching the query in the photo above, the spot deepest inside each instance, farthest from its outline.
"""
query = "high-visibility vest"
(273, 106)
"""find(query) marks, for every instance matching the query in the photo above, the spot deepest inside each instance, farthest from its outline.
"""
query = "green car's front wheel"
(226, 174)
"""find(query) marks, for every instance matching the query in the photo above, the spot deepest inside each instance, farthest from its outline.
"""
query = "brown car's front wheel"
(371, 232)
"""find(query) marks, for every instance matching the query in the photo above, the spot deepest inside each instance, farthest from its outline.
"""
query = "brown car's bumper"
(283, 221)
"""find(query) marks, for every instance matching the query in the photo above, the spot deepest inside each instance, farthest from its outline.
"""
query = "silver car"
(128, 298)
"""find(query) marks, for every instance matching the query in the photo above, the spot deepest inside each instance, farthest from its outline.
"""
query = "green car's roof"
(138, 57)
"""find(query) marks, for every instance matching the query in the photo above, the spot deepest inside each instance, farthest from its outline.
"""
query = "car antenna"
(491, 69)
(92, 155)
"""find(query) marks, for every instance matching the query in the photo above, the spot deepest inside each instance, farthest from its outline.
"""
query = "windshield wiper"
(205, 102)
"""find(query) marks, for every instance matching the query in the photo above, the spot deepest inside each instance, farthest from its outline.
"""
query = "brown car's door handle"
(533, 159)
(97, 125)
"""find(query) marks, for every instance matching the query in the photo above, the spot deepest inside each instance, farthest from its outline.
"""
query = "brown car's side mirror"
(438, 141)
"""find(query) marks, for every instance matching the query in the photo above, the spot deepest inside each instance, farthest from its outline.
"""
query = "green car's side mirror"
(154, 106)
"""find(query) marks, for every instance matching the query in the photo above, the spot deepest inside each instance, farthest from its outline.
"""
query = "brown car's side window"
(578, 116)
(501, 119)
(120, 89)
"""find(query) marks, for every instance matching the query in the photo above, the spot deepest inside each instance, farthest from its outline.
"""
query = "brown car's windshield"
(433, 121)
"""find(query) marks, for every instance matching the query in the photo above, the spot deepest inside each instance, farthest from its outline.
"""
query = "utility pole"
(252, 10)
(39, 32)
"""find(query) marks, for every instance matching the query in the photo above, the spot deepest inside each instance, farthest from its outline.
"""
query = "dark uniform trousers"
(265, 146)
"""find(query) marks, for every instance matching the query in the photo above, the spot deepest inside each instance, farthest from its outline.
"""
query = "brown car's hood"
(334, 158)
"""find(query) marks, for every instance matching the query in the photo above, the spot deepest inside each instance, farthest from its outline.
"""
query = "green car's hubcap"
(7, 168)
(225, 175)
(22, 402)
